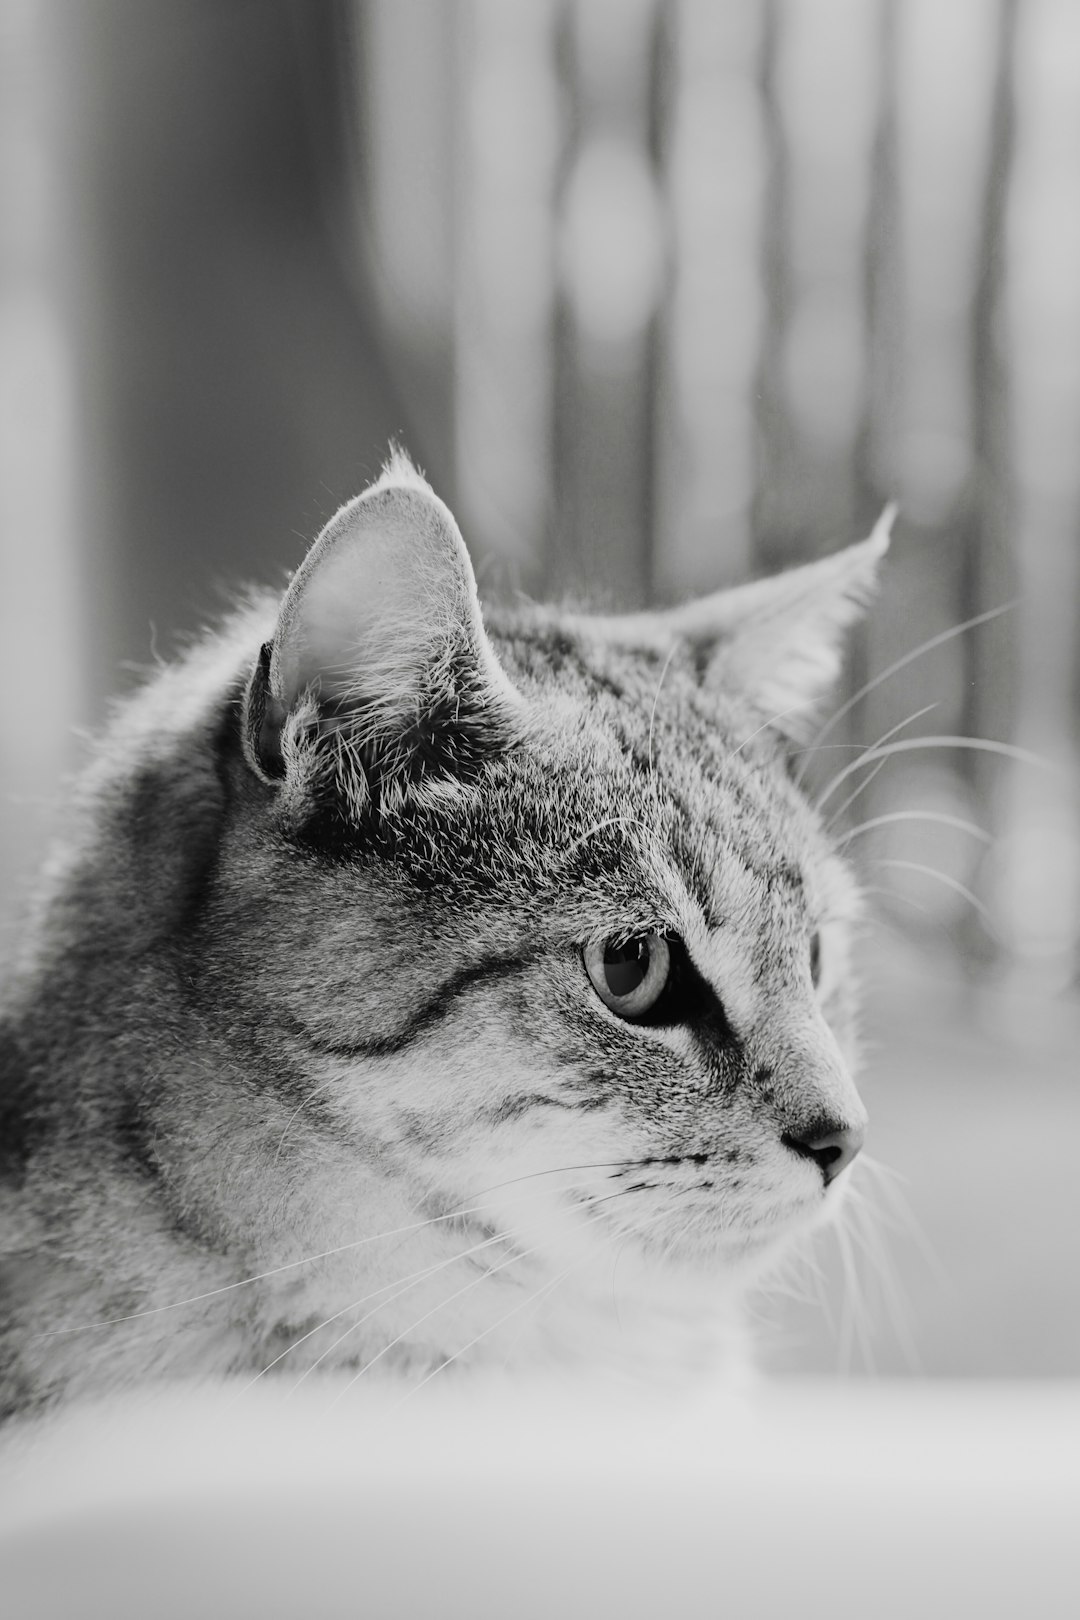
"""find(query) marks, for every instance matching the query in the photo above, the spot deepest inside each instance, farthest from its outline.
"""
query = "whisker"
(401, 1286)
(907, 745)
(838, 814)
(949, 882)
(523, 1254)
(908, 658)
(614, 1273)
(865, 1230)
(412, 1280)
(323, 1254)
(832, 748)
(398, 1284)
(560, 1170)
(817, 1274)
(890, 1185)
(894, 924)
(609, 821)
(854, 1332)
(296, 1111)
(513, 1259)
(867, 780)
(531, 1299)
(535, 1299)
(781, 714)
(800, 1290)
(855, 1246)
(261, 1276)
(529, 1302)
(885, 737)
(940, 816)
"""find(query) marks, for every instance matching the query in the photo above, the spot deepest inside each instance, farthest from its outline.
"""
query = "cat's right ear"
(380, 648)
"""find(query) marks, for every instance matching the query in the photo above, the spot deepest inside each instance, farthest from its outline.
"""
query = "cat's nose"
(831, 1146)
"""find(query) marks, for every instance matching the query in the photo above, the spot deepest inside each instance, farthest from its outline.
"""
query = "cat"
(418, 990)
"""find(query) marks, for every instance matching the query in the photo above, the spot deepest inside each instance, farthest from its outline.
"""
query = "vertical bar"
(1035, 868)
(988, 570)
(42, 644)
(773, 428)
(612, 251)
(561, 568)
(660, 93)
(941, 140)
(827, 90)
(988, 576)
(504, 275)
(875, 470)
(875, 444)
(713, 173)
(410, 115)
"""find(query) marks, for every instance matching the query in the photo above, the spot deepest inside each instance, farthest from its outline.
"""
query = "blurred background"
(660, 293)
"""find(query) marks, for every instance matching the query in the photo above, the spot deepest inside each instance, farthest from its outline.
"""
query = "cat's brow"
(728, 965)
(719, 955)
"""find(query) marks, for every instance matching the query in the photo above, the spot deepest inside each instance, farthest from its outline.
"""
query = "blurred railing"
(705, 286)
(661, 293)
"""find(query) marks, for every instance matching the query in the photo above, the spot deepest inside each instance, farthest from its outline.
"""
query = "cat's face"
(556, 938)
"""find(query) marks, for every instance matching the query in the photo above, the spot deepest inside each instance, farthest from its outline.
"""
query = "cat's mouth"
(730, 1175)
(678, 1158)
(719, 1202)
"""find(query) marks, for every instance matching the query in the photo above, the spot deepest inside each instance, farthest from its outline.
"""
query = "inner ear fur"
(380, 645)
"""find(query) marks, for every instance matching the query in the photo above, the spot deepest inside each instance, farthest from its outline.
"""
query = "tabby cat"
(416, 991)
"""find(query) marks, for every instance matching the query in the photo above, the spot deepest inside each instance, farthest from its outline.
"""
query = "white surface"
(808, 1499)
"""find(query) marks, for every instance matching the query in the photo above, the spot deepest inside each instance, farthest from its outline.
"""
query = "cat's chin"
(744, 1260)
(741, 1247)
(710, 1269)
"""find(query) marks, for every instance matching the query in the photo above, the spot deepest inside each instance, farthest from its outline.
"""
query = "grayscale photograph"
(540, 804)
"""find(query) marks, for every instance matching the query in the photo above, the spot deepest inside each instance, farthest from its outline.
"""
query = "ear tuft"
(400, 469)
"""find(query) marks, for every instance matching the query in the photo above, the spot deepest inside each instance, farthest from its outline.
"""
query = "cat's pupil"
(815, 959)
(626, 966)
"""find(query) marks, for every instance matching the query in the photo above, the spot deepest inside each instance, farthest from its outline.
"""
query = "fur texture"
(303, 1067)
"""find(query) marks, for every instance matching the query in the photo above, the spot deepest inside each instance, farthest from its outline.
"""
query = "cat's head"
(535, 904)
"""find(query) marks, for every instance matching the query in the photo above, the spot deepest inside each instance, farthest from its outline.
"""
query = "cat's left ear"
(778, 641)
(380, 646)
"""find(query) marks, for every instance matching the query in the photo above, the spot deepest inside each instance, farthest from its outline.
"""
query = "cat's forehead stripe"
(720, 951)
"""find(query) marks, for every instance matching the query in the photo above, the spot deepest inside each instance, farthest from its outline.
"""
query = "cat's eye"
(629, 975)
(815, 959)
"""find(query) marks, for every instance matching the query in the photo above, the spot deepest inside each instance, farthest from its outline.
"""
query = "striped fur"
(304, 1001)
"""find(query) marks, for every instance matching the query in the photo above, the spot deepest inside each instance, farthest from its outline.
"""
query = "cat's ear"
(777, 641)
(380, 646)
